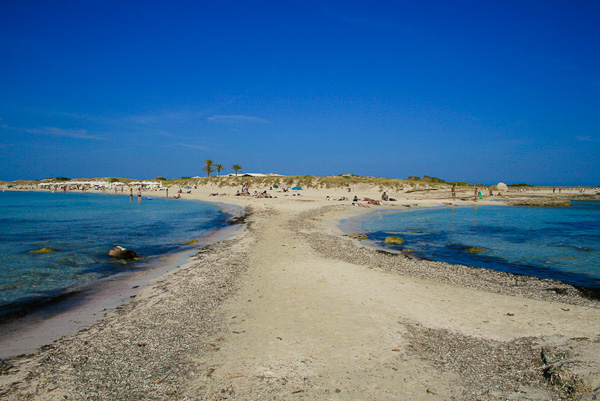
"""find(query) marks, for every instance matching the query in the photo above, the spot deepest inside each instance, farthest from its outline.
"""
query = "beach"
(290, 308)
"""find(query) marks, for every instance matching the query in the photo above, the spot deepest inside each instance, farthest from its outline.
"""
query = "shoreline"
(345, 226)
(288, 308)
(84, 305)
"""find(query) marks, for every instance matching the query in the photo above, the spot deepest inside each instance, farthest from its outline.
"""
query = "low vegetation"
(522, 185)
(341, 181)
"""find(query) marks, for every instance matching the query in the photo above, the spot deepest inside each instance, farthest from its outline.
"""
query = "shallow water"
(80, 229)
(561, 243)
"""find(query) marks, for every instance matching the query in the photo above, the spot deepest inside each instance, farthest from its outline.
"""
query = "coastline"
(84, 305)
(288, 308)
(352, 225)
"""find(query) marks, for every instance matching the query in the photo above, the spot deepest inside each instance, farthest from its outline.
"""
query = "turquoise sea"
(80, 229)
(561, 243)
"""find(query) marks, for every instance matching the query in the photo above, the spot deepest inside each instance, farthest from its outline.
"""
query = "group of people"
(355, 200)
(476, 193)
(246, 192)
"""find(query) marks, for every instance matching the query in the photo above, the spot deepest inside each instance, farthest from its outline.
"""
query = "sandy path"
(321, 328)
(303, 325)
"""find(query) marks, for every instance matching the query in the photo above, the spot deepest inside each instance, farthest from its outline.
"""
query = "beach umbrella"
(502, 187)
(297, 189)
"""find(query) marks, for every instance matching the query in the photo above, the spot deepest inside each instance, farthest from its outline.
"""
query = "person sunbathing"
(372, 201)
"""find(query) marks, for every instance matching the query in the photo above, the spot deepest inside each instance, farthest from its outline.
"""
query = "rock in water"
(394, 240)
(121, 253)
(42, 250)
(475, 249)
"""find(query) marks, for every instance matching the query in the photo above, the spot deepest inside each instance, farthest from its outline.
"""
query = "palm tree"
(208, 167)
(236, 168)
(219, 167)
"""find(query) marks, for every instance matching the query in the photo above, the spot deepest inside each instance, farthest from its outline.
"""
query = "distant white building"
(147, 184)
(253, 175)
(101, 184)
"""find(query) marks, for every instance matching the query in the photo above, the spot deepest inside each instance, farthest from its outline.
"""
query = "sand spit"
(290, 309)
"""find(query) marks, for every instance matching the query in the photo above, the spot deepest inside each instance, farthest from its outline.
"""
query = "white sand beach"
(289, 308)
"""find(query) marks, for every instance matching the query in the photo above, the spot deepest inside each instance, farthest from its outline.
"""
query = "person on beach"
(384, 197)
(372, 201)
(475, 195)
(167, 193)
(453, 192)
(355, 198)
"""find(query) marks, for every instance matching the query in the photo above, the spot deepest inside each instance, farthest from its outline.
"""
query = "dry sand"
(288, 308)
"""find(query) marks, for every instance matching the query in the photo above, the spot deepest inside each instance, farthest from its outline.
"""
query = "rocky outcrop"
(540, 202)
(358, 236)
(394, 240)
(122, 253)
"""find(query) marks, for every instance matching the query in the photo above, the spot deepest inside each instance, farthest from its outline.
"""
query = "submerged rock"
(394, 240)
(122, 253)
(358, 236)
(43, 250)
(475, 249)
(192, 241)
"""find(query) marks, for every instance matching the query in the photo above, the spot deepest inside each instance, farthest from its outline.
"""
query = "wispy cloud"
(54, 131)
(191, 146)
(586, 138)
(238, 119)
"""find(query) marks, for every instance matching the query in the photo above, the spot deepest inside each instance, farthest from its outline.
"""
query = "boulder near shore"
(122, 253)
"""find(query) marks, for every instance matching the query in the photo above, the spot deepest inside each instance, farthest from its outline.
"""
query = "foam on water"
(561, 243)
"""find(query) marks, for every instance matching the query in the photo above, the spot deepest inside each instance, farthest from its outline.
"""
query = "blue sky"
(478, 91)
